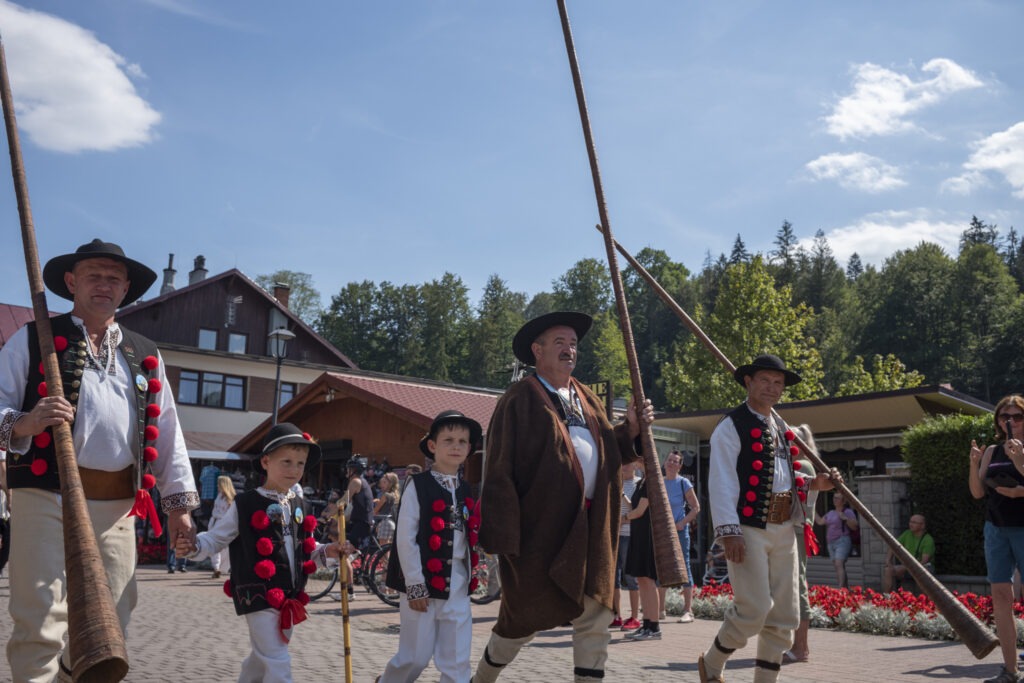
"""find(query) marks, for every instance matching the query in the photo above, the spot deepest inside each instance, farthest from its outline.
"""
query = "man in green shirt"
(919, 543)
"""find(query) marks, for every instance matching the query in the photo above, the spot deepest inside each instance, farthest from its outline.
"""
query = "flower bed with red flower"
(858, 609)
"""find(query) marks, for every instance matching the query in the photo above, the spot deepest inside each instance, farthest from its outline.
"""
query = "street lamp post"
(278, 343)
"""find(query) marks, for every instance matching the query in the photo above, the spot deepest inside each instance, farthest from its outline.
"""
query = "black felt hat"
(140, 277)
(528, 333)
(283, 434)
(452, 417)
(767, 362)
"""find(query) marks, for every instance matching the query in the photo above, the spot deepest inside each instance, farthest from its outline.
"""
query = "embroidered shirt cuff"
(728, 530)
(7, 428)
(417, 591)
(188, 500)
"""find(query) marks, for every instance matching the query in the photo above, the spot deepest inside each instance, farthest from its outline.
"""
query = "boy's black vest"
(72, 359)
(755, 465)
(248, 590)
(427, 492)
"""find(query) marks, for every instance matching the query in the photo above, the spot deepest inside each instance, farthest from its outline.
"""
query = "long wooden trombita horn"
(96, 642)
(668, 557)
(978, 638)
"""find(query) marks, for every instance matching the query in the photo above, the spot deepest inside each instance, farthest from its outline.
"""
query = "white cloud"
(71, 92)
(883, 100)
(857, 171)
(876, 237)
(1002, 152)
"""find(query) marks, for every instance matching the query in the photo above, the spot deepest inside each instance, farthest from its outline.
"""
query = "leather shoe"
(702, 670)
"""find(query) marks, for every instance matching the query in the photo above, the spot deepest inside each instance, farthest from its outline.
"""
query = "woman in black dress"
(640, 563)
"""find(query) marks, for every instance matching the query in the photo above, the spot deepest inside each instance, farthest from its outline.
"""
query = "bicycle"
(488, 587)
(369, 569)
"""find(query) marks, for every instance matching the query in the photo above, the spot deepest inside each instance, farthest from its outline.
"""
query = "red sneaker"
(616, 622)
(631, 624)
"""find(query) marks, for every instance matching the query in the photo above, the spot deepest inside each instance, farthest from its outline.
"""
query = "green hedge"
(938, 451)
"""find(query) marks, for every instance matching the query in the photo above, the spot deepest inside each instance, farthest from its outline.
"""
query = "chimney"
(281, 292)
(169, 273)
(199, 271)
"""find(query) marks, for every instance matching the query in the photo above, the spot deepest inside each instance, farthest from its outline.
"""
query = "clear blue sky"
(399, 140)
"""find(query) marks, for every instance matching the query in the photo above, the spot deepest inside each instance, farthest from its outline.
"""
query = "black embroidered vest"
(436, 535)
(247, 588)
(23, 470)
(755, 465)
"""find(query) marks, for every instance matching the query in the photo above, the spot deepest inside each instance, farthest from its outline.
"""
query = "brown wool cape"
(552, 549)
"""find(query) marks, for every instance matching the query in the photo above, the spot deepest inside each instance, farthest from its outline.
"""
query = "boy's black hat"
(521, 343)
(767, 362)
(283, 434)
(452, 417)
(140, 276)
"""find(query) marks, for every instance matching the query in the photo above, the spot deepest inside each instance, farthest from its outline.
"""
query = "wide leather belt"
(103, 485)
(780, 507)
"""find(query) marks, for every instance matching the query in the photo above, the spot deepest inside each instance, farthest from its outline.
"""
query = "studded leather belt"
(103, 485)
(780, 507)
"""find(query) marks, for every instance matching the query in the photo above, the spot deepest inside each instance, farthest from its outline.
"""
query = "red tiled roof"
(13, 318)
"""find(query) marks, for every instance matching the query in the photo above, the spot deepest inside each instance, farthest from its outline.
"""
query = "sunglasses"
(1016, 417)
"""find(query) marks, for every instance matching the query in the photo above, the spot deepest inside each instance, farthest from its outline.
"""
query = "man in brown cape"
(550, 501)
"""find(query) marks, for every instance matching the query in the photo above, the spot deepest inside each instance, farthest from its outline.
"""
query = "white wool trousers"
(269, 661)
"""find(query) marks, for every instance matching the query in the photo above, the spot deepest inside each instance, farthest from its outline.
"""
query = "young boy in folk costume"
(432, 558)
(269, 535)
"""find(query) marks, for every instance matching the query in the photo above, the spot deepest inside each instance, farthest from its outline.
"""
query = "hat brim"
(311, 461)
(742, 371)
(475, 434)
(140, 276)
(528, 333)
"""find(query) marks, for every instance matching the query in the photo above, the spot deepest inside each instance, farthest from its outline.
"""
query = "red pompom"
(474, 583)
(152, 433)
(470, 503)
(264, 546)
(800, 481)
(275, 598)
(755, 433)
(148, 481)
(155, 386)
(309, 524)
(802, 495)
(758, 465)
(798, 465)
(436, 523)
(473, 538)
(434, 565)
(152, 410)
(750, 496)
(754, 480)
(438, 583)
(265, 569)
(308, 545)
(438, 505)
(42, 368)
(42, 439)
(790, 435)
(474, 559)
(434, 542)
(60, 343)
(228, 588)
(150, 362)
(793, 450)
(306, 436)
(149, 454)
(309, 567)
(259, 520)
(39, 467)
(748, 511)
(757, 446)
(303, 598)
(43, 391)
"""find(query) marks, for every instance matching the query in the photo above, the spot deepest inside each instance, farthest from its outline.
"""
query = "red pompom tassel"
(748, 511)
(434, 542)
(149, 454)
(259, 520)
(39, 467)
(438, 583)
(309, 545)
(152, 433)
(755, 433)
(152, 410)
(60, 343)
(303, 598)
(309, 567)
(275, 598)
(148, 481)
(473, 538)
(155, 386)
(42, 389)
(757, 465)
(438, 505)
(145, 509)
(470, 503)
(790, 435)
(436, 523)
(150, 363)
(434, 565)
(810, 540)
(265, 569)
(264, 546)
(229, 588)
(757, 446)
(42, 439)
(309, 524)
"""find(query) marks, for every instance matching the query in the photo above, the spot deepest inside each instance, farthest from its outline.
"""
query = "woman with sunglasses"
(997, 474)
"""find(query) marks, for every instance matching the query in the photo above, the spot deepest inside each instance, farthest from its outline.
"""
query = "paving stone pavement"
(185, 629)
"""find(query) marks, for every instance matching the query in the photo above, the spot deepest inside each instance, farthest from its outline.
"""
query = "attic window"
(237, 342)
(207, 339)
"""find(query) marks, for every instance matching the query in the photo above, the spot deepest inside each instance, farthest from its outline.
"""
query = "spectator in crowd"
(207, 490)
(5, 514)
(225, 496)
(624, 581)
(840, 522)
(685, 508)
(640, 563)
(918, 542)
(385, 508)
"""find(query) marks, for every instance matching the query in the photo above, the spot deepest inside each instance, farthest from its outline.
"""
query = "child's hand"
(419, 604)
(184, 546)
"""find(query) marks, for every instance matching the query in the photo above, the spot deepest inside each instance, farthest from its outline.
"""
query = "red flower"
(42, 439)
(438, 583)
(228, 588)
(309, 545)
(309, 567)
(757, 446)
(150, 362)
(758, 465)
(152, 433)
(434, 542)
(437, 524)
(155, 386)
(148, 481)
(152, 410)
(60, 343)
(309, 524)
(42, 389)
(149, 454)
(434, 565)
(748, 511)
(259, 520)
(275, 598)
(264, 546)
(438, 505)
(39, 467)
(755, 433)
(265, 569)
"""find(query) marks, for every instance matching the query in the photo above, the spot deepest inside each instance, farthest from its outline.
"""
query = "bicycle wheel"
(321, 582)
(488, 587)
(376, 576)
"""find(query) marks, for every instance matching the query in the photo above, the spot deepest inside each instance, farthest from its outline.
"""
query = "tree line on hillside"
(923, 316)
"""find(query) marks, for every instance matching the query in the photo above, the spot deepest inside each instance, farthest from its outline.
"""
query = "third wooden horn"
(95, 640)
(975, 635)
(668, 556)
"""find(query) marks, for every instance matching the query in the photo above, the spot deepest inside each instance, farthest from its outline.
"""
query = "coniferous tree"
(739, 252)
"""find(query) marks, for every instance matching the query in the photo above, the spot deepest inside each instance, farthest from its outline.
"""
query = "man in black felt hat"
(756, 507)
(550, 501)
(126, 436)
